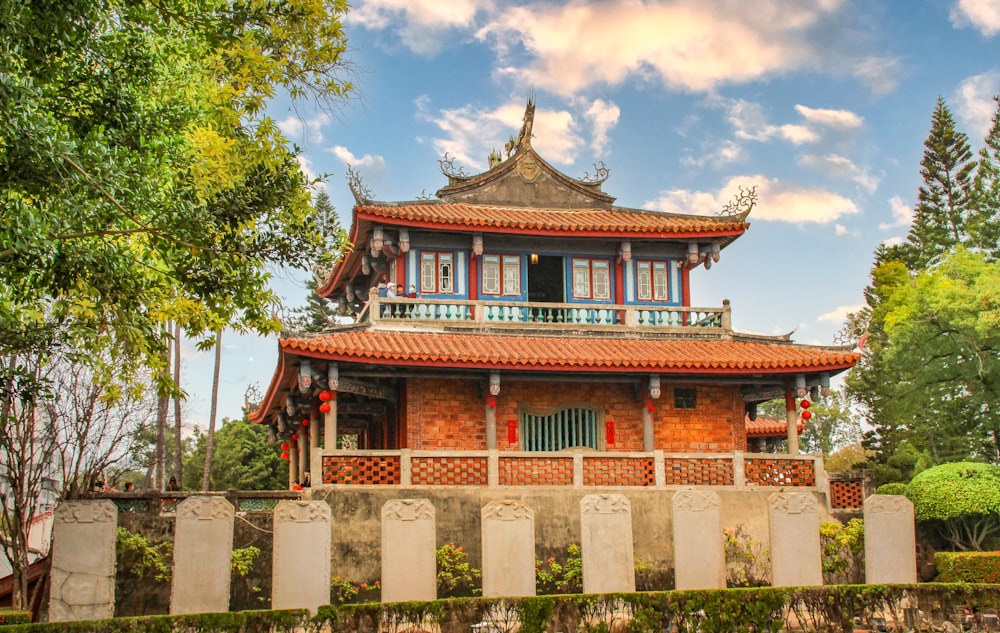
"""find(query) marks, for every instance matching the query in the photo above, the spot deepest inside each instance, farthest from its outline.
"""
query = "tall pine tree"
(944, 201)
(984, 227)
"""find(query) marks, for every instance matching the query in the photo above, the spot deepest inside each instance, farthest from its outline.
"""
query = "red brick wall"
(451, 414)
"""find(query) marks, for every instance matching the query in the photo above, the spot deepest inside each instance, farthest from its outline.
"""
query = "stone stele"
(508, 549)
(796, 558)
(699, 553)
(409, 567)
(890, 540)
(606, 544)
(203, 551)
(301, 563)
(83, 561)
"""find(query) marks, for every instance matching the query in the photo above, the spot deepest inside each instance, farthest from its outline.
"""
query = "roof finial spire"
(524, 138)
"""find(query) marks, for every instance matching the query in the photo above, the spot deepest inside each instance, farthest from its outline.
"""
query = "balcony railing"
(577, 469)
(509, 313)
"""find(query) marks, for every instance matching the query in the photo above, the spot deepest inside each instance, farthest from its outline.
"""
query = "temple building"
(543, 336)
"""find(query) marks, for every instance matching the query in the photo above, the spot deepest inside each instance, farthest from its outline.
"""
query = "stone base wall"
(451, 414)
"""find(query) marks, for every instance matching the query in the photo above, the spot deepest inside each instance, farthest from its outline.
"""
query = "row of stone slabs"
(83, 552)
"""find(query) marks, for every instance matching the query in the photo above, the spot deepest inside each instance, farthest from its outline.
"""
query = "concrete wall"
(356, 527)
(450, 414)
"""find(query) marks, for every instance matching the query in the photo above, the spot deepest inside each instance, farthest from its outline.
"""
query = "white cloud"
(715, 155)
(902, 214)
(893, 241)
(839, 119)
(603, 116)
(369, 162)
(776, 201)
(984, 15)
(305, 166)
(840, 167)
(839, 314)
(974, 103)
(685, 44)
(750, 122)
(422, 25)
(840, 230)
(798, 134)
(308, 130)
(471, 132)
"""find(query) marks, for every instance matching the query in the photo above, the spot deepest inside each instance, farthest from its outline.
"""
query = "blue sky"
(824, 105)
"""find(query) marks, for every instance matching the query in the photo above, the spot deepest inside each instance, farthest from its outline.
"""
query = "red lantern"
(325, 395)
(805, 404)
(325, 407)
(295, 436)
(284, 446)
(806, 415)
(649, 408)
(305, 422)
(493, 403)
(284, 456)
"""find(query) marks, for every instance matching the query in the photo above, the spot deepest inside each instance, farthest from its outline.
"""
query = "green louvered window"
(564, 428)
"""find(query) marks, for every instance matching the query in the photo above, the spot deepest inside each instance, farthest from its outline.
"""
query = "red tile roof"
(567, 353)
(769, 427)
(511, 218)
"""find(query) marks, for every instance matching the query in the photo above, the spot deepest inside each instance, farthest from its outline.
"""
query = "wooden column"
(303, 456)
(293, 462)
(315, 455)
(330, 425)
(491, 423)
(791, 420)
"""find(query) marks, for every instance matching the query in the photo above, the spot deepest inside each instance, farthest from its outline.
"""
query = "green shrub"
(553, 576)
(961, 501)
(895, 488)
(968, 566)
(9, 616)
(843, 551)
(747, 561)
(456, 577)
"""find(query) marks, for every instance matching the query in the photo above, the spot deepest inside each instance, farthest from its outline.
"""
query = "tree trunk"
(178, 444)
(162, 407)
(210, 438)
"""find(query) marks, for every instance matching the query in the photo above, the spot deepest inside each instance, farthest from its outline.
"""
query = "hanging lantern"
(284, 456)
(295, 436)
(806, 415)
(325, 396)
(284, 446)
(325, 407)
(649, 408)
(805, 404)
(305, 422)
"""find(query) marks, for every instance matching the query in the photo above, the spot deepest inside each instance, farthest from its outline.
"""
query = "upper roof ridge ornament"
(524, 138)
(448, 168)
(362, 193)
(741, 205)
(600, 175)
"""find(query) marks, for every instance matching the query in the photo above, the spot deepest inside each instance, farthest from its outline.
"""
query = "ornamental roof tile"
(567, 353)
(518, 218)
(769, 427)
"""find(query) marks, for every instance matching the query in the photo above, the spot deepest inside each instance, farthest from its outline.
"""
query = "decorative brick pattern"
(618, 471)
(536, 471)
(698, 471)
(780, 472)
(449, 471)
(848, 493)
(362, 469)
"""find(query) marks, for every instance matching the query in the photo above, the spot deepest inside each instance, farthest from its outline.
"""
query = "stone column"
(409, 566)
(203, 552)
(796, 558)
(647, 428)
(699, 553)
(300, 567)
(606, 544)
(890, 540)
(508, 529)
(83, 561)
(491, 424)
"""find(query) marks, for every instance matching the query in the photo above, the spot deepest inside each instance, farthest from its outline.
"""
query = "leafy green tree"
(243, 459)
(832, 426)
(944, 200)
(960, 500)
(319, 313)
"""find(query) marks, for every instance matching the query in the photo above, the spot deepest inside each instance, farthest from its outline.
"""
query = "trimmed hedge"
(749, 610)
(9, 616)
(237, 622)
(981, 567)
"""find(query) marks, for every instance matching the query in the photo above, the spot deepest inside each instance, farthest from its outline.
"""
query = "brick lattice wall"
(541, 471)
(780, 472)
(449, 471)
(363, 469)
(698, 472)
(847, 493)
(618, 471)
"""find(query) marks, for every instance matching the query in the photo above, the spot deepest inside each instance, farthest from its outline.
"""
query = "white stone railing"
(520, 314)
